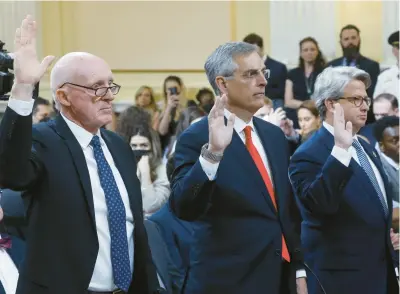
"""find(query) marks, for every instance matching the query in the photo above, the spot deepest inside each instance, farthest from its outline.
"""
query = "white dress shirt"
(210, 169)
(8, 272)
(344, 156)
(102, 278)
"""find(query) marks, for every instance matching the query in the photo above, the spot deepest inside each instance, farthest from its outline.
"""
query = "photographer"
(6, 77)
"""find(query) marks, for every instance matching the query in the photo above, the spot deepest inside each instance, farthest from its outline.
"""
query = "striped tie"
(366, 166)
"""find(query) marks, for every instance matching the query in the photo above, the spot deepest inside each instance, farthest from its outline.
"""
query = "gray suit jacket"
(393, 177)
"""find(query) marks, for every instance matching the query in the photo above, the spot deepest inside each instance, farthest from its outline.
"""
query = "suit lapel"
(78, 158)
(2, 290)
(270, 149)
(239, 151)
(372, 154)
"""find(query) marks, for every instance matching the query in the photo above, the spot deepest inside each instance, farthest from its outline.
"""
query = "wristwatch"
(207, 154)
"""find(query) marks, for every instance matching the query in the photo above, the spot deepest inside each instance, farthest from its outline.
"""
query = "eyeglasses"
(99, 92)
(253, 73)
(357, 101)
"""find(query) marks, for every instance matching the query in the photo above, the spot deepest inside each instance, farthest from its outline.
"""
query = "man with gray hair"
(343, 193)
(231, 181)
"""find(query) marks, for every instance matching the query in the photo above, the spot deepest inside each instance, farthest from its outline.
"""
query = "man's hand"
(287, 128)
(301, 286)
(220, 135)
(27, 69)
(343, 132)
(276, 116)
(395, 239)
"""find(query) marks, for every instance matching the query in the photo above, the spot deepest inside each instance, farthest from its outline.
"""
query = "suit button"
(278, 252)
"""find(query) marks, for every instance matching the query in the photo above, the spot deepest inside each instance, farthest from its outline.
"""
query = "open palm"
(220, 135)
(27, 68)
(343, 132)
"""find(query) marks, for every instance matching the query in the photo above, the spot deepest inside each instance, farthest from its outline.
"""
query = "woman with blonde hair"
(144, 98)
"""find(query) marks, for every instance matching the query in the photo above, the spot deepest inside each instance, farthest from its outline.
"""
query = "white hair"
(331, 82)
(63, 70)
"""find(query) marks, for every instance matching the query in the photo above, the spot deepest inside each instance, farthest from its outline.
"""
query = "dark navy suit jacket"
(237, 233)
(178, 236)
(275, 88)
(17, 254)
(345, 234)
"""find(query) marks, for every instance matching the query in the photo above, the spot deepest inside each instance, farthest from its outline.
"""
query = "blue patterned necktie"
(366, 166)
(116, 219)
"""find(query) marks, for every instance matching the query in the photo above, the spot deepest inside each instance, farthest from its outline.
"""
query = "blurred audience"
(42, 110)
(134, 126)
(309, 120)
(144, 98)
(351, 43)
(388, 80)
(205, 97)
(300, 81)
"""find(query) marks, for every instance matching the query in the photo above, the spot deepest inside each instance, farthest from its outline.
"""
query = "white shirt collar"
(239, 124)
(331, 130)
(84, 137)
(390, 161)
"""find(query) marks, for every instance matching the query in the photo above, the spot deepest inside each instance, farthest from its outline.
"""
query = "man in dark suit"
(14, 221)
(178, 237)
(343, 193)
(86, 232)
(230, 180)
(351, 43)
(275, 89)
(12, 254)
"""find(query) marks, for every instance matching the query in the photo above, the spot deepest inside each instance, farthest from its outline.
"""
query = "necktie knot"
(247, 133)
(95, 142)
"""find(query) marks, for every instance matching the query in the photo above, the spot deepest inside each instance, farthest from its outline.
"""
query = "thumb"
(349, 127)
(231, 120)
(47, 61)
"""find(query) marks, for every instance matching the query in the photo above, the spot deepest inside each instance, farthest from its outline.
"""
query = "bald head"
(74, 67)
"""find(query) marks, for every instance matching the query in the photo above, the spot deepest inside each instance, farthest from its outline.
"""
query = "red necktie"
(267, 180)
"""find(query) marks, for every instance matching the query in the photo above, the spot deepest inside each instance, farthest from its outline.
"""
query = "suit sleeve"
(191, 188)
(20, 165)
(318, 185)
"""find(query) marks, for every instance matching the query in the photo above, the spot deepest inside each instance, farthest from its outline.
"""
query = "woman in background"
(300, 81)
(144, 98)
(145, 144)
(308, 119)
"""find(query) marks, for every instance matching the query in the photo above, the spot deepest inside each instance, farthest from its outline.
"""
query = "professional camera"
(6, 77)
(6, 63)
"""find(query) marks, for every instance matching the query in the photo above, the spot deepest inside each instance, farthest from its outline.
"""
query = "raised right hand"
(220, 135)
(343, 132)
(27, 69)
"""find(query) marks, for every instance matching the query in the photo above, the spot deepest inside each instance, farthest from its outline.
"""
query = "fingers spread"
(17, 40)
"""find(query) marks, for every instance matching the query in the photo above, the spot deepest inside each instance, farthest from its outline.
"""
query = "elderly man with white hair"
(86, 225)
(343, 193)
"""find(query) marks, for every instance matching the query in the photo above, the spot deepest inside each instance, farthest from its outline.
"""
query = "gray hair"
(221, 62)
(331, 82)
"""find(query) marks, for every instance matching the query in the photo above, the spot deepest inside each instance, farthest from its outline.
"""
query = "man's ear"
(62, 97)
(329, 105)
(221, 84)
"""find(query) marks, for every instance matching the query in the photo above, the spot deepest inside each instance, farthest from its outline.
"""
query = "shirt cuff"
(342, 155)
(301, 274)
(23, 108)
(396, 204)
(210, 169)
(397, 271)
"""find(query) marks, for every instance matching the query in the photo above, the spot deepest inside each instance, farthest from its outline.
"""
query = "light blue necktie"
(116, 220)
(366, 166)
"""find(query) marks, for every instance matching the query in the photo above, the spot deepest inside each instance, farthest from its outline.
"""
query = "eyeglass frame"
(367, 100)
(266, 73)
(95, 89)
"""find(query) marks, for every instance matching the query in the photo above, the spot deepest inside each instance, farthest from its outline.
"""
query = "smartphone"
(173, 91)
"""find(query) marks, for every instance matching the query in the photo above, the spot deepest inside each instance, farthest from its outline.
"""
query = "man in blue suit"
(231, 182)
(343, 193)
